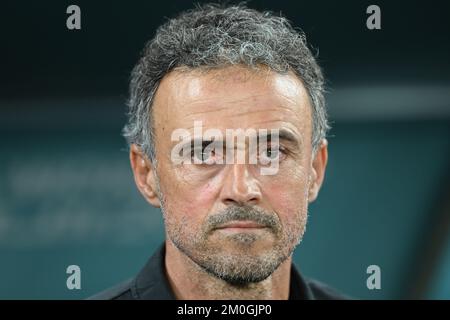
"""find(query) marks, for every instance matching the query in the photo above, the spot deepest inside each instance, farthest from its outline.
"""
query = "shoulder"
(121, 291)
(150, 283)
(322, 291)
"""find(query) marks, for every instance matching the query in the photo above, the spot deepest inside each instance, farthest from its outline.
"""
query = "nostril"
(240, 187)
(253, 199)
(241, 200)
(230, 201)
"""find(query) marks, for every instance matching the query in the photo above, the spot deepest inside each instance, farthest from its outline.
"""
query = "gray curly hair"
(216, 36)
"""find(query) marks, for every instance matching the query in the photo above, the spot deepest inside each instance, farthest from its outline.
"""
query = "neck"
(191, 282)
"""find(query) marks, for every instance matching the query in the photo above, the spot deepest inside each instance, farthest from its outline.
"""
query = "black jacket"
(152, 284)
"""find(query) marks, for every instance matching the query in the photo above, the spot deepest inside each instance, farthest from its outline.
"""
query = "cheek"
(287, 195)
(191, 201)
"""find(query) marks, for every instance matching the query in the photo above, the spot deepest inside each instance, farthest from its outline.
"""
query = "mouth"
(241, 226)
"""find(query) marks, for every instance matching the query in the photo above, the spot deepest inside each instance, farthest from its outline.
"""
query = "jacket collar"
(152, 282)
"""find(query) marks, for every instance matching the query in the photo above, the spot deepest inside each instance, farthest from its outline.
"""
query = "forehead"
(232, 97)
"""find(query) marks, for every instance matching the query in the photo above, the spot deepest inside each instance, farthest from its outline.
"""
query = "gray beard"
(237, 269)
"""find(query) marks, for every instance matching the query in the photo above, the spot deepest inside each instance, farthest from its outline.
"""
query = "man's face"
(230, 219)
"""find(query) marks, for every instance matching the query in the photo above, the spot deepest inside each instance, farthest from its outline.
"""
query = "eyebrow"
(199, 141)
(287, 136)
(283, 135)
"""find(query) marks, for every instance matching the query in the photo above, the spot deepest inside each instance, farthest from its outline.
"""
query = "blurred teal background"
(67, 194)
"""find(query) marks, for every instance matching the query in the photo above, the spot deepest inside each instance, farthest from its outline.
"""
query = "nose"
(240, 187)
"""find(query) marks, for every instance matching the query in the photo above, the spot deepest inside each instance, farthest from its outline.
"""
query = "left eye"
(272, 153)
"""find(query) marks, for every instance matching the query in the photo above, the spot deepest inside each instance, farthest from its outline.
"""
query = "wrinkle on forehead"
(287, 84)
(215, 98)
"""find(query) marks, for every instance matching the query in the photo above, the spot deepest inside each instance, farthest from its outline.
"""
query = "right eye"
(209, 152)
(202, 155)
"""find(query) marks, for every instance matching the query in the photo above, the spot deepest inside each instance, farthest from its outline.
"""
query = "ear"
(319, 164)
(144, 175)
